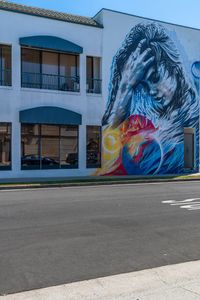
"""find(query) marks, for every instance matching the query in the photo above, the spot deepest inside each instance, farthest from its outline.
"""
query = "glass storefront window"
(93, 146)
(50, 130)
(49, 146)
(5, 146)
(69, 146)
(5, 65)
(30, 129)
(50, 152)
(30, 146)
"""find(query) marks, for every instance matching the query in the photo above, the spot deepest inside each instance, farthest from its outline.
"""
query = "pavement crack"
(160, 278)
(98, 281)
(188, 290)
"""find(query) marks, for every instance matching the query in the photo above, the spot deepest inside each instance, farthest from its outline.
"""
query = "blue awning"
(51, 43)
(50, 115)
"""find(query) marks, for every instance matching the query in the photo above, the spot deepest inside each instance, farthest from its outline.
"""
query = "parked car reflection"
(34, 160)
(92, 158)
(72, 159)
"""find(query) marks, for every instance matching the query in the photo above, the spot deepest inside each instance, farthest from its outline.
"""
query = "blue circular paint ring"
(196, 69)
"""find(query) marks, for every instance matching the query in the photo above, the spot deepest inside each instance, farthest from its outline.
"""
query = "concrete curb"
(16, 186)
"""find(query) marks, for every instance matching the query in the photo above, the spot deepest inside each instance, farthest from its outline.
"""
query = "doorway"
(189, 148)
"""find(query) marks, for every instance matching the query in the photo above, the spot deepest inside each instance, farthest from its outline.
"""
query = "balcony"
(5, 77)
(94, 86)
(50, 82)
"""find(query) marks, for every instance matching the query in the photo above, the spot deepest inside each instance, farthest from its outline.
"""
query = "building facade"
(111, 95)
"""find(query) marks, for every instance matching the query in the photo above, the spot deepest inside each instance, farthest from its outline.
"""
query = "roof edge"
(141, 17)
(22, 6)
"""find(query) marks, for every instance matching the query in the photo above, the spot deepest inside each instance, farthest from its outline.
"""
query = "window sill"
(93, 167)
(6, 87)
(5, 168)
(46, 91)
(27, 168)
(94, 95)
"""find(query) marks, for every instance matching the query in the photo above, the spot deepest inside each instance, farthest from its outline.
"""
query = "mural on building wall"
(151, 99)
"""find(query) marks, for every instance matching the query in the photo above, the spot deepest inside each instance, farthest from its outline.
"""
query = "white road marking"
(168, 201)
(182, 203)
(189, 204)
(195, 208)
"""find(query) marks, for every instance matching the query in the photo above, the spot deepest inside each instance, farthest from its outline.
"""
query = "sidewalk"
(176, 282)
(24, 183)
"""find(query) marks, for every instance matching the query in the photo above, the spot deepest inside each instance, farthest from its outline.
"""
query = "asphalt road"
(54, 236)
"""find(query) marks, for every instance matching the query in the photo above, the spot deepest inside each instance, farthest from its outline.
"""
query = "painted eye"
(154, 78)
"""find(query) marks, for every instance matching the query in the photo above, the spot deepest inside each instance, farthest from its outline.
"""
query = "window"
(5, 146)
(93, 70)
(49, 146)
(31, 68)
(93, 146)
(50, 70)
(69, 72)
(69, 146)
(5, 65)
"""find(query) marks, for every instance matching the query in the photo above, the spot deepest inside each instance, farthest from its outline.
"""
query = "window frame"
(41, 51)
(97, 166)
(92, 79)
(9, 167)
(40, 136)
(1, 67)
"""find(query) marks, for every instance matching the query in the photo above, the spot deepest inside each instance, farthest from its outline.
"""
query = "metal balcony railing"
(50, 82)
(94, 86)
(5, 77)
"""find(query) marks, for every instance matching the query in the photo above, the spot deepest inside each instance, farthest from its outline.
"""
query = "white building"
(61, 74)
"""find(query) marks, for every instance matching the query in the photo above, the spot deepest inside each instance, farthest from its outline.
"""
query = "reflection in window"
(5, 65)
(93, 146)
(69, 72)
(69, 146)
(50, 70)
(30, 146)
(31, 68)
(50, 130)
(49, 146)
(5, 146)
(50, 67)
(93, 73)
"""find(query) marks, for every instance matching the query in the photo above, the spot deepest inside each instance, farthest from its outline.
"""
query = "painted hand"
(136, 67)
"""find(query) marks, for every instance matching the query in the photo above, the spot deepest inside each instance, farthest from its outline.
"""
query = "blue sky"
(183, 12)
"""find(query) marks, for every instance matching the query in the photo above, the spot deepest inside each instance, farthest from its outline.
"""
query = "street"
(55, 236)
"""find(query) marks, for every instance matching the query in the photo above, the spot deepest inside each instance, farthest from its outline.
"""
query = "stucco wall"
(13, 99)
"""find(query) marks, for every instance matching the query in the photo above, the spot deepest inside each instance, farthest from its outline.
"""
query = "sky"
(182, 12)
